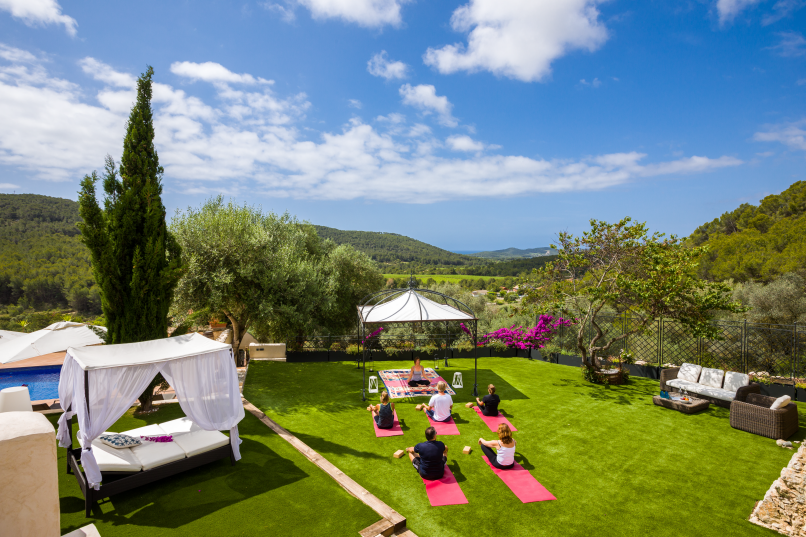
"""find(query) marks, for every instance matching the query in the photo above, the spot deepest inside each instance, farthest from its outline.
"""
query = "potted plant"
(215, 324)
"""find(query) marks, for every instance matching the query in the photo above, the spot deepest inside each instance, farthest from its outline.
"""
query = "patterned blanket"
(394, 380)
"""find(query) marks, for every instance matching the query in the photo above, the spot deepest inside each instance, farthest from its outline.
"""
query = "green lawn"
(272, 490)
(617, 464)
(453, 278)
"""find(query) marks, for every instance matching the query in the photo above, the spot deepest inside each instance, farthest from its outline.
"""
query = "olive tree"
(622, 268)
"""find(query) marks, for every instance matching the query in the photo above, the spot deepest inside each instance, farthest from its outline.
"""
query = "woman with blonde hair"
(440, 406)
(504, 459)
(384, 413)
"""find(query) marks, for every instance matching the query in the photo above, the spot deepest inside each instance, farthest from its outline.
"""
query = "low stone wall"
(783, 508)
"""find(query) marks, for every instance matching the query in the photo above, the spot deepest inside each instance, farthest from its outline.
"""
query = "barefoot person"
(429, 457)
(440, 406)
(384, 413)
(504, 459)
(489, 405)
(416, 375)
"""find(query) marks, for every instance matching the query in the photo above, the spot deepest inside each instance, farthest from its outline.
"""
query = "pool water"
(43, 382)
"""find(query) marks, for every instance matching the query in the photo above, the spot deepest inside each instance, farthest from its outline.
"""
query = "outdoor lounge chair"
(755, 416)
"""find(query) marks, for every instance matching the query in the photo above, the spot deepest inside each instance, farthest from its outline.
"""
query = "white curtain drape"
(207, 389)
(206, 386)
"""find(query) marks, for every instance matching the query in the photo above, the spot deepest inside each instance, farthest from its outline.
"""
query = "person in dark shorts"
(429, 457)
(384, 413)
(489, 405)
(417, 375)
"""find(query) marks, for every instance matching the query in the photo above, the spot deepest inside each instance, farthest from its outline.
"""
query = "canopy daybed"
(411, 306)
(99, 384)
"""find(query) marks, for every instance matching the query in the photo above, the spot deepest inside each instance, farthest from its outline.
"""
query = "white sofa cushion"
(681, 384)
(716, 393)
(114, 460)
(781, 402)
(180, 426)
(153, 454)
(689, 372)
(200, 441)
(712, 377)
(734, 381)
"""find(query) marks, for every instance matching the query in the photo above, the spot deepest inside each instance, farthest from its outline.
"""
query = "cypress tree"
(135, 259)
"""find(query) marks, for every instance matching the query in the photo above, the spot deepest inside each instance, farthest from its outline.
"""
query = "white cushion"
(781, 402)
(114, 460)
(689, 372)
(153, 454)
(182, 425)
(682, 384)
(734, 381)
(712, 377)
(200, 441)
(716, 393)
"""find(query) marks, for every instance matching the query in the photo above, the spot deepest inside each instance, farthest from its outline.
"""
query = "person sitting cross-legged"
(429, 457)
(384, 413)
(504, 459)
(489, 405)
(416, 375)
(440, 406)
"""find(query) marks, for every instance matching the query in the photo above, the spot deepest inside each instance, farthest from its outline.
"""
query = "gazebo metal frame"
(376, 299)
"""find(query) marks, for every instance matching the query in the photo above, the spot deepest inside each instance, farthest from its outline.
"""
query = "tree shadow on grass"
(181, 499)
(321, 445)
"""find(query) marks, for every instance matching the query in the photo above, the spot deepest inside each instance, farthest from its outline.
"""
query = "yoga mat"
(394, 431)
(493, 421)
(445, 491)
(522, 483)
(447, 428)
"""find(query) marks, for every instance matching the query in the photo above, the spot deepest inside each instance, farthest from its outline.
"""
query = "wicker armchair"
(741, 394)
(755, 416)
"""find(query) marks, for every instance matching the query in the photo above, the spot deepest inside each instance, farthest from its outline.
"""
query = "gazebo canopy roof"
(410, 306)
(144, 352)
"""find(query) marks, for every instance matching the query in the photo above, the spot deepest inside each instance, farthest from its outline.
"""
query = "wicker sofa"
(755, 416)
(714, 385)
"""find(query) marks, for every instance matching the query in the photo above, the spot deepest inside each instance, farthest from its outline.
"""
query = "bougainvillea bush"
(524, 339)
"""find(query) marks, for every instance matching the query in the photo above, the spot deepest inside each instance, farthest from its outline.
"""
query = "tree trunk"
(237, 332)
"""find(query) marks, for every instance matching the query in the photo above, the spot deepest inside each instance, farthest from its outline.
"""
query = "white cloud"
(8, 186)
(519, 38)
(790, 45)
(464, 143)
(729, 9)
(104, 73)
(595, 83)
(355, 103)
(50, 131)
(426, 99)
(213, 72)
(286, 12)
(39, 13)
(782, 9)
(379, 65)
(792, 135)
(367, 13)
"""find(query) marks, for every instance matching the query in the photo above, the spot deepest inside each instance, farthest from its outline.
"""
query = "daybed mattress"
(188, 440)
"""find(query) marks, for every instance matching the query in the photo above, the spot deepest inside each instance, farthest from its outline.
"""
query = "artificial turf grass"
(272, 490)
(617, 464)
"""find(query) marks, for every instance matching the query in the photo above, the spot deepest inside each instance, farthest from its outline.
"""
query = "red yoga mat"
(493, 421)
(394, 431)
(522, 483)
(445, 491)
(447, 428)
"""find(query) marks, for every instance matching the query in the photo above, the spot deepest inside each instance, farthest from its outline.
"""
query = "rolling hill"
(515, 253)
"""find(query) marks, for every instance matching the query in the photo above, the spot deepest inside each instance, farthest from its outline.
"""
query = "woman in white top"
(504, 459)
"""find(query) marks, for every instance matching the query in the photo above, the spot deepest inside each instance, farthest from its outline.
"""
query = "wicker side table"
(695, 405)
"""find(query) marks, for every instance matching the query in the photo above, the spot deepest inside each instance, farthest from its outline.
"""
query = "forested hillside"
(515, 253)
(43, 264)
(757, 243)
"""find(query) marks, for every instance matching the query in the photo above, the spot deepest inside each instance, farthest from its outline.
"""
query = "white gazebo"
(413, 306)
(99, 384)
(55, 338)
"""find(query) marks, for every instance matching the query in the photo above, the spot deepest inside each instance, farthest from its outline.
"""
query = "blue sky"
(471, 125)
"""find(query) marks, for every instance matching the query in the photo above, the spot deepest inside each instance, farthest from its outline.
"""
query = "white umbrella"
(8, 335)
(55, 338)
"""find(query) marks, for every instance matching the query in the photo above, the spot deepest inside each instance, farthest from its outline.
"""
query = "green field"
(453, 278)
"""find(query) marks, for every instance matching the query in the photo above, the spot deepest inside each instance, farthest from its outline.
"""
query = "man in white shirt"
(440, 406)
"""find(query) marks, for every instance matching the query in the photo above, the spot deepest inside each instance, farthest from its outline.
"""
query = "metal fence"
(778, 349)
(340, 343)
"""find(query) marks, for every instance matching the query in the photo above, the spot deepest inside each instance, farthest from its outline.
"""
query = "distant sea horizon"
(466, 252)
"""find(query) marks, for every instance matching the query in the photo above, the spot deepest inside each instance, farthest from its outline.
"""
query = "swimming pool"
(43, 382)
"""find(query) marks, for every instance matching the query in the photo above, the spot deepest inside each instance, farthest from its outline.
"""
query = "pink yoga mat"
(447, 428)
(522, 483)
(493, 421)
(445, 491)
(394, 431)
